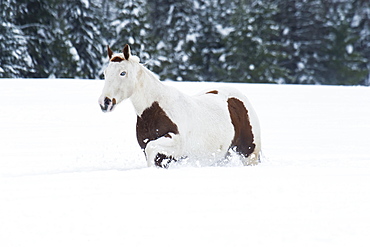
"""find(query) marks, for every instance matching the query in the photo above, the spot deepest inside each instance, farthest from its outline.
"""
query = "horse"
(172, 126)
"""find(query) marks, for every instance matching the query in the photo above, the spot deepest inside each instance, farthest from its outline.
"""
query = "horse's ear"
(127, 51)
(110, 52)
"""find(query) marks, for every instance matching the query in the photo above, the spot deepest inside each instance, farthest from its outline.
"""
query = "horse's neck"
(148, 90)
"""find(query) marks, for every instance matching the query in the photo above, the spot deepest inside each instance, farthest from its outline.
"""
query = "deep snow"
(73, 176)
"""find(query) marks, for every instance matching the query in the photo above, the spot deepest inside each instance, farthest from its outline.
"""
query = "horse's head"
(120, 78)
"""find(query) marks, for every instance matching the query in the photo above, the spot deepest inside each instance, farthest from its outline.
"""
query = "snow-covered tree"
(82, 27)
(360, 21)
(343, 64)
(14, 58)
(206, 45)
(131, 26)
(35, 19)
(319, 42)
(174, 25)
(284, 41)
(301, 35)
(253, 51)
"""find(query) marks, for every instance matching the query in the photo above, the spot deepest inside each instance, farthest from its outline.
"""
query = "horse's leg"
(164, 149)
(163, 161)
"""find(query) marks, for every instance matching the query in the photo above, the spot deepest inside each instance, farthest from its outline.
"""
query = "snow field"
(73, 176)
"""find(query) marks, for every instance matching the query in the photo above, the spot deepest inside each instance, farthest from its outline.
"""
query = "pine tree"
(35, 18)
(253, 50)
(132, 27)
(14, 58)
(319, 42)
(47, 51)
(343, 64)
(82, 31)
(174, 27)
(206, 44)
(359, 18)
(300, 36)
(285, 41)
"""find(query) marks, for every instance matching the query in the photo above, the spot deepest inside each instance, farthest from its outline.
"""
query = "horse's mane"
(149, 72)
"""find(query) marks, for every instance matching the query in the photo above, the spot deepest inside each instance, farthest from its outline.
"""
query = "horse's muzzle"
(108, 104)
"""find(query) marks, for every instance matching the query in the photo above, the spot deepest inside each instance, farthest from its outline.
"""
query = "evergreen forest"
(269, 41)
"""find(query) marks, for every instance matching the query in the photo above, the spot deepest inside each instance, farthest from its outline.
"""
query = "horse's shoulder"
(153, 123)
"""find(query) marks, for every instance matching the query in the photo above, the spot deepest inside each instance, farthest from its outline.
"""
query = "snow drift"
(72, 176)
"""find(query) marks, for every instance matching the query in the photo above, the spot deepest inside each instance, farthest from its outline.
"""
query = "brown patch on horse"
(213, 92)
(117, 59)
(243, 142)
(153, 124)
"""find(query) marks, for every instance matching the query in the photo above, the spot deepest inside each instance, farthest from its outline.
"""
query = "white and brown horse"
(172, 126)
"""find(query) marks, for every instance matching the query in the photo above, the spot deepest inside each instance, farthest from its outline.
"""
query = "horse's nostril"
(105, 105)
(107, 101)
(108, 104)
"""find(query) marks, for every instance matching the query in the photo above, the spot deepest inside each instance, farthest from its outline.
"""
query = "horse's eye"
(123, 73)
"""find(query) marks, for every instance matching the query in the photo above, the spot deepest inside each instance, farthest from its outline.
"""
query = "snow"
(300, 66)
(170, 15)
(224, 31)
(356, 21)
(286, 31)
(86, 3)
(73, 176)
(349, 49)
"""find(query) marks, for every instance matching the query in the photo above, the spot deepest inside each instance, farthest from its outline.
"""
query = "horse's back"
(206, 126)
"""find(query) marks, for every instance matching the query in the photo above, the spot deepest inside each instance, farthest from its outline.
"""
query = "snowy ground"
(73, 176)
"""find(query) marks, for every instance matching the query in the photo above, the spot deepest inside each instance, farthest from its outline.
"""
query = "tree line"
(273, 41)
